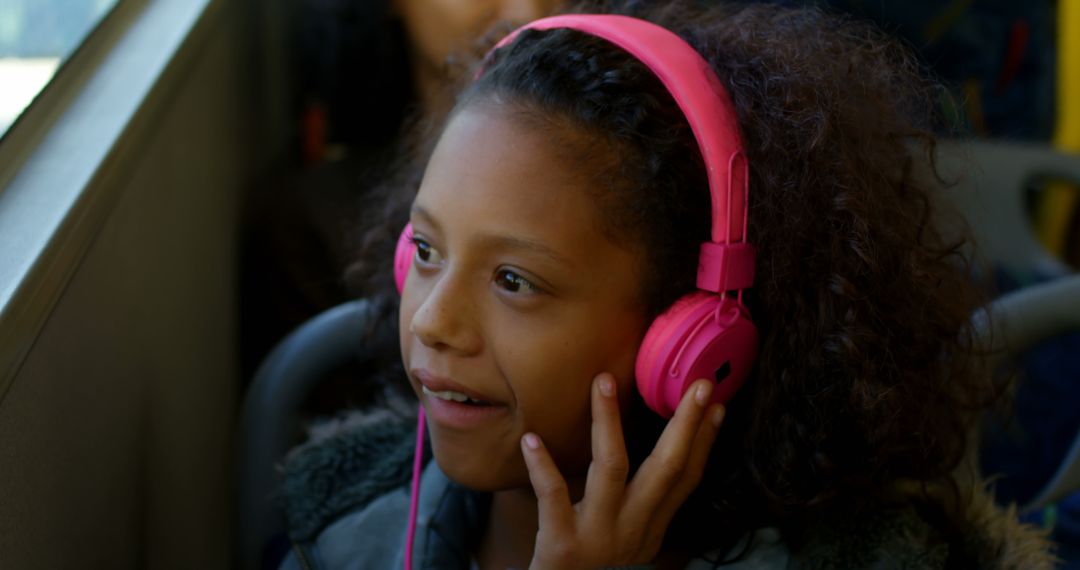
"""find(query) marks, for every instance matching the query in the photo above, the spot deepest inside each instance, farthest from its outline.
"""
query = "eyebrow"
(503, 241)
(418, 210)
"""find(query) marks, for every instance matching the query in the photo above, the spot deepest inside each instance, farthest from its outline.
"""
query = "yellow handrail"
(1060, 200)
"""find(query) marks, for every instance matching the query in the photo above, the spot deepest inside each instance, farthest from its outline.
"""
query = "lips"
(450, 406)
(446, 389)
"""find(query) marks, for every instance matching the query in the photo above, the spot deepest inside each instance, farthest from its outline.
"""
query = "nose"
(446, 319)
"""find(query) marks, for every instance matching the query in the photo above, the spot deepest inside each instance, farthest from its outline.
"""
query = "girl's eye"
(514, 283)
(424, 252)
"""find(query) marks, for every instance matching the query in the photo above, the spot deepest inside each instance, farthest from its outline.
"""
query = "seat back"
(270, 420)
(992, 179)
(1018, 321)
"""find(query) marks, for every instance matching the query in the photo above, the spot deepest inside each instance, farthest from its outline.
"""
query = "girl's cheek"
(404, 323)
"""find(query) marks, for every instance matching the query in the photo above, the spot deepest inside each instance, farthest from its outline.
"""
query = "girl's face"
(515, 298)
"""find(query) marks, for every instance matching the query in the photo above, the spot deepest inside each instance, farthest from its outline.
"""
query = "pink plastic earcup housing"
(403, 257)
(703, 335)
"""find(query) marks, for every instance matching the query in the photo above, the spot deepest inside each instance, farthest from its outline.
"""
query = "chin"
(478, 473)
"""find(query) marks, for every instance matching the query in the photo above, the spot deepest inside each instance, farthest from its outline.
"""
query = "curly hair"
(864, 380)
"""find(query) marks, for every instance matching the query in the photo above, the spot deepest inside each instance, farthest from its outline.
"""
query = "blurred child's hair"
(864, 384)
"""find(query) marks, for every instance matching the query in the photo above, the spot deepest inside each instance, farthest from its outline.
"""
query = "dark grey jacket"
(346, 498)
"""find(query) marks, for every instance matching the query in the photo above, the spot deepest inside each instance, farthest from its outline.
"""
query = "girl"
(561, 211)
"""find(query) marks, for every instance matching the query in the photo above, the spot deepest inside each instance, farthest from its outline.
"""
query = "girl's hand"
(619, 523)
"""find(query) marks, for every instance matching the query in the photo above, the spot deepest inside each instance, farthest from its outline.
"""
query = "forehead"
(497, 172)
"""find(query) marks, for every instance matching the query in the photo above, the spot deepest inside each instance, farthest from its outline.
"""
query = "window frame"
(61, 160)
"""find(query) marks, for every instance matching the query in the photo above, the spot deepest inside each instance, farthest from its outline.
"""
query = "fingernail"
(532, 441)
(607, 387)
(702, 394)
(717, 416)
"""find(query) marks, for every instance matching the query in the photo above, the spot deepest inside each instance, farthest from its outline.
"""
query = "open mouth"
(451, 396)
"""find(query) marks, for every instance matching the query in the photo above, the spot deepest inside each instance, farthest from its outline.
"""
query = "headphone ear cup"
(403, 256)
(701, 336)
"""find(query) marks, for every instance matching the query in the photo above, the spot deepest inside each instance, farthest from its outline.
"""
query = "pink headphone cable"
(418, 457)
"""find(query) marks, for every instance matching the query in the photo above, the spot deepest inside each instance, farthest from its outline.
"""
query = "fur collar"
(345, 465)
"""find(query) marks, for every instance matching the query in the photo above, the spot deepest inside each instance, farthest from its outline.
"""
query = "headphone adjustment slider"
(725, 267)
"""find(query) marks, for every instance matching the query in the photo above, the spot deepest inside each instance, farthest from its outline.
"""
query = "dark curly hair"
(864, 383)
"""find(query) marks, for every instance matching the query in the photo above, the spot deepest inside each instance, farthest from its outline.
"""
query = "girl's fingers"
(552, 495)
(695, 468)
(607, 472)
(667, 463)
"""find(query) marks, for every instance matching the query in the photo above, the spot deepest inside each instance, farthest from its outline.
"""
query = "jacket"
(346, 499)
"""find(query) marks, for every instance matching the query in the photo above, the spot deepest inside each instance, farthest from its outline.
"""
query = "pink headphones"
(707, 333)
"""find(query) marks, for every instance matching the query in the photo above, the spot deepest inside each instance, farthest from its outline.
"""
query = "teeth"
(449, 395)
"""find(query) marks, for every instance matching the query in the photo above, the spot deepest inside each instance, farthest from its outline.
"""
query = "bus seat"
(270, 419)
(1016, 322)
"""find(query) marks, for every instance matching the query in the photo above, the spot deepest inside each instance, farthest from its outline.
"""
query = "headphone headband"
(702, 98)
